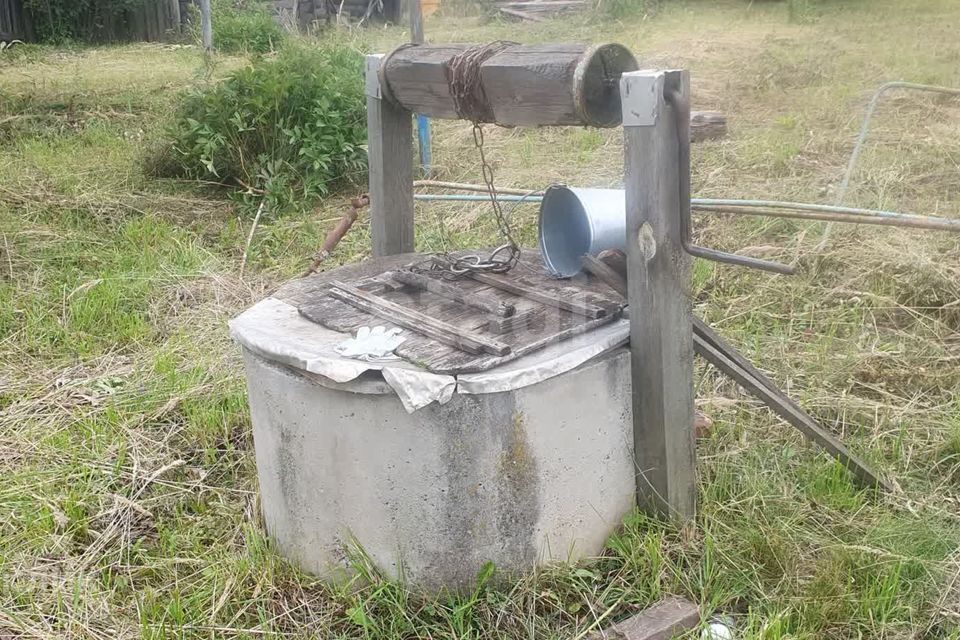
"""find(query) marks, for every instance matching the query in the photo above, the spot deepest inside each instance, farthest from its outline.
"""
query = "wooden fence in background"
(153, 20)
(15, 24)
(303, 13)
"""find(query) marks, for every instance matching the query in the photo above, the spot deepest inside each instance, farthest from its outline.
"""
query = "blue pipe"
(423, 140)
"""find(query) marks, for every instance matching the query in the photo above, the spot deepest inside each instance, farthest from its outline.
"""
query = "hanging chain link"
(470, 102)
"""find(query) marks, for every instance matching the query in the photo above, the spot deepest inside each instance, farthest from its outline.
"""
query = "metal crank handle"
(681, 106)
(732, 258)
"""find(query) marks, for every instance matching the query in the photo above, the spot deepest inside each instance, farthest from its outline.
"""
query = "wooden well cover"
(447, 331)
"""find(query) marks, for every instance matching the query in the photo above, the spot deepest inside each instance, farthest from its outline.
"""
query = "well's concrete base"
(520, 478)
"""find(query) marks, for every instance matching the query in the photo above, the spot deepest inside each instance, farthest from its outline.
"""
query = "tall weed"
(247, 26)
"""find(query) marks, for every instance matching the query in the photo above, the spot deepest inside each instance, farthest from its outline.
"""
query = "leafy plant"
(285, 127)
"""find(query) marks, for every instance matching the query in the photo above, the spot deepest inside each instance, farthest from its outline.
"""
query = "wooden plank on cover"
(540, 295)
(475, 300)
(416, 321)
(525, 333)
(605, 273)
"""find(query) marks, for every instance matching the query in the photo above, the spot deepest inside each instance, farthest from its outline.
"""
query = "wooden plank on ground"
(524, 15)
(665, 620)
(540, 4)
(707, 125)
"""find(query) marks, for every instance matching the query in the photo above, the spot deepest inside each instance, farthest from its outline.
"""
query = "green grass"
(128, 503)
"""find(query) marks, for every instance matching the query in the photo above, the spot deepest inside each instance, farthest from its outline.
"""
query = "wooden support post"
(390, 153)
(661, 335)
(416, 21)
(206, 25)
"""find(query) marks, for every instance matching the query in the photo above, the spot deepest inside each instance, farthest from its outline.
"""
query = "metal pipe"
(827, 208)
(865, 125)
(534, 195)
(463, 186)
(862, 138)
(775, 209)
(465, 197)
(901, 221)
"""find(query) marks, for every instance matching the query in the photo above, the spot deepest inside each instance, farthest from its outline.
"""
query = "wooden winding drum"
(538, 84)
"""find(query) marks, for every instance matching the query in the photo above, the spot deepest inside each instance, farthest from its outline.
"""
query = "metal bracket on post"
(390, 153)
(658, 267)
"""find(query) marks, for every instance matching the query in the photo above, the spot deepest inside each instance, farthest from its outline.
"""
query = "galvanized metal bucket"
(574, 222)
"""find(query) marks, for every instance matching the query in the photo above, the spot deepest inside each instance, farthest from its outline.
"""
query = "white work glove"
(371, 344)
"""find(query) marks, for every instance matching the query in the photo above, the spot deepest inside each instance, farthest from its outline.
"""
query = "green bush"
(287, 127)
(243, 26)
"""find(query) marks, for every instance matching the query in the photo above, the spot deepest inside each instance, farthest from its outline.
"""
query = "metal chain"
(467, 91)
(503, 224)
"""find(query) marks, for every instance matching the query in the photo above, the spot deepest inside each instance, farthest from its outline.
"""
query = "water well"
(514, 424)
(525, 462)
